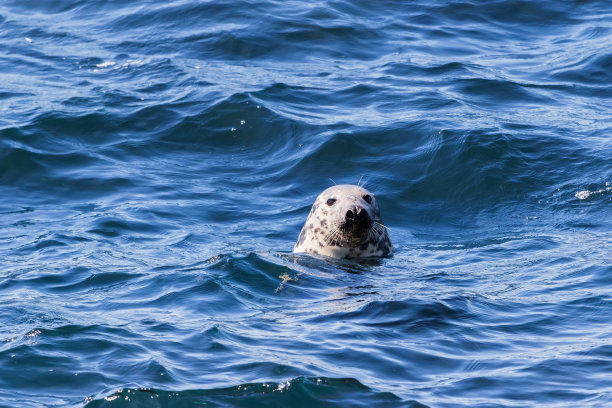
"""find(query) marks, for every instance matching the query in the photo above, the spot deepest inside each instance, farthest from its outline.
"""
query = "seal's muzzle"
(357, 221)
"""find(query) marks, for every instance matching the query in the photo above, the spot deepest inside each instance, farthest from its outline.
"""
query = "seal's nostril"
(362, 217)
(350, 215)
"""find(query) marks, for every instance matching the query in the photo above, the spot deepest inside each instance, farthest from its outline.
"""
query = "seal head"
(345, 222)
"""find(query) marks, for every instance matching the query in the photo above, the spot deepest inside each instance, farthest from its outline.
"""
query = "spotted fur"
(330, 228)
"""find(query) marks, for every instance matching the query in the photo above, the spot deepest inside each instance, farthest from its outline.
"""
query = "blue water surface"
(158, 159)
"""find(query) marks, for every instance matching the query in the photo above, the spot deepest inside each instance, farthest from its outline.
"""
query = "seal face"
(345, 222)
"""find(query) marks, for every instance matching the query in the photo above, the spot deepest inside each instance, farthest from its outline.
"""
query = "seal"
(344, 222)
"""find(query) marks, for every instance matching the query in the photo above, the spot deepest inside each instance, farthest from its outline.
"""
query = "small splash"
(33, 333)
(284, 385)
(117, 66)
(106, 64)
(583, 195)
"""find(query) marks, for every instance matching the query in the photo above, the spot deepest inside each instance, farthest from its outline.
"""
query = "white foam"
(583, 195)
(106, 64)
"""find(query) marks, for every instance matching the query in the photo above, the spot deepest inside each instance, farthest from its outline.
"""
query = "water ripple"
(158, 159)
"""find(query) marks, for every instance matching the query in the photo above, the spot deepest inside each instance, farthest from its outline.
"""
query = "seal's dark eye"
(368, 198)
(331, 201)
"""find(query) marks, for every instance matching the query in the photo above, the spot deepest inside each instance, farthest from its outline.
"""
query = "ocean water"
(158, 159)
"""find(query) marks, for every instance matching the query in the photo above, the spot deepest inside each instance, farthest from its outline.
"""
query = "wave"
(300, 391)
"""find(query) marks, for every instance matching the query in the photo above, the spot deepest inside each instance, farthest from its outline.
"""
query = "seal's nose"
(357, 215)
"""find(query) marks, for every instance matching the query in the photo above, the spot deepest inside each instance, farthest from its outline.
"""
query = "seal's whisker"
(378, 230)
(381, 225)
(335, 239)
(337, 236)
(327, 237)
(332, 237)
(375, 232)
